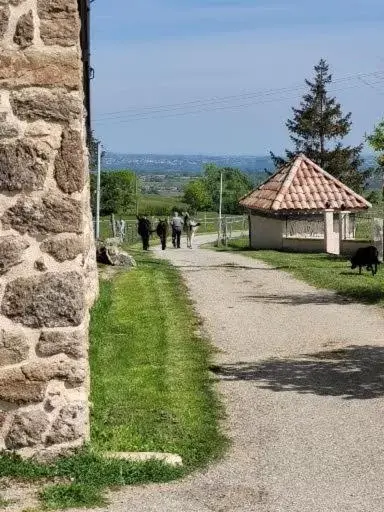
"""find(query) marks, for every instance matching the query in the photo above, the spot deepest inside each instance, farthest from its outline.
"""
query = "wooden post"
(113, 224)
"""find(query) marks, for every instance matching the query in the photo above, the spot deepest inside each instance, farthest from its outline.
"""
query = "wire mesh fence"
(126, 229)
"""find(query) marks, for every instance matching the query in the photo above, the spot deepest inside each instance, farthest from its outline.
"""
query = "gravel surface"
(301, 375)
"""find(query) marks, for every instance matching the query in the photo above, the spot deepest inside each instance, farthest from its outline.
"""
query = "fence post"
(205, 221)
(113, 225)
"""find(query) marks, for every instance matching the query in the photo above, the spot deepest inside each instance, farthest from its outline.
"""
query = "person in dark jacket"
(162, 233)
(144, 230)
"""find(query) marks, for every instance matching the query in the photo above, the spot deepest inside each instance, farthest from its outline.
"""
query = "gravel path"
(301, 374)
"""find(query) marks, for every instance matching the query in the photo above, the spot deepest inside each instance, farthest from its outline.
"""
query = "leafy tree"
(376, 141)
(317, 129)
(236, 184)
(117, 192)
(197, 196)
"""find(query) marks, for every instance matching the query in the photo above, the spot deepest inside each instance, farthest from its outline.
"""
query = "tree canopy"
(317, 129)
(117, 192)
(204, 192)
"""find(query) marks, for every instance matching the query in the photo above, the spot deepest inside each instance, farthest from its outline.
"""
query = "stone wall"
(47, 265)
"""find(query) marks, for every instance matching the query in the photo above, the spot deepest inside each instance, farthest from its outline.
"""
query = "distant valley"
(191, 164)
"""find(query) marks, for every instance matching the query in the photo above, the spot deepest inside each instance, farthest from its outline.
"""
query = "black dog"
(366, 257)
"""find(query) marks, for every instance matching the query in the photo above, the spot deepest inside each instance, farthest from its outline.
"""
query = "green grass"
(72, 495)
(85, 475)
(151, 387)
(321, 271)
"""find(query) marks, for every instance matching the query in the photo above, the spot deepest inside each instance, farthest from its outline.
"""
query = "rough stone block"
(25, 29)
(15, 388)
(51, 214)
(11, 251)
(59, 22)
(34, 103)
(63, 248)
(13, 347)
(23, 166)
(51, 343)
(69, 163)
(35, 68)
(4, 18)
(69, 425)
(50, 300)
(8, 130)
(27, 429)
(63, 369)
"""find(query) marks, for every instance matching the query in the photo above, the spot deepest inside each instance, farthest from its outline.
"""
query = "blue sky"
(221, 76)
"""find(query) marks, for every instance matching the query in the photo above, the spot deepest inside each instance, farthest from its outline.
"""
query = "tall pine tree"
(317, 129)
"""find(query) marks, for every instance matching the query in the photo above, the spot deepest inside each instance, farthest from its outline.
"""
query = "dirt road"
(301, 373)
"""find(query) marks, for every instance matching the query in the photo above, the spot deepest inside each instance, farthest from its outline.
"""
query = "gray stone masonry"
(48, 273)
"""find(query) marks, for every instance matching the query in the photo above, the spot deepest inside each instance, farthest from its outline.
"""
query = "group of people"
(177, 225)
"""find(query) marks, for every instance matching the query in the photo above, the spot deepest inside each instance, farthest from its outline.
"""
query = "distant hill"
(192, 164)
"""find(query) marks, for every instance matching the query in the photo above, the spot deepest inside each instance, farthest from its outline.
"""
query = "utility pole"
(220, 208)
(97, 234)
(137, 195)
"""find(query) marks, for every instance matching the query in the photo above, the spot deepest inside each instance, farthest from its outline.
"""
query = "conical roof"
(301, 185)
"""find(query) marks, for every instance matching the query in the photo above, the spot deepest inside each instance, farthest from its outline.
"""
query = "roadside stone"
(23, 166)
(4, 19)
(65, 248)
(111, 254)
(59, 22)
(13, 347)
(168, 458)
(35, 68)
(40, 265)
(27, 429)
(69, 425)
(72, 372)
(16, 389)
(51, 214)
(50, 300)
(12, 248)
(24, 30)
(51, 343)
(69, 163)
(34, 103)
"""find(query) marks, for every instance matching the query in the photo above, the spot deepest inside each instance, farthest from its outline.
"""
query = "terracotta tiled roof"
(302, 185)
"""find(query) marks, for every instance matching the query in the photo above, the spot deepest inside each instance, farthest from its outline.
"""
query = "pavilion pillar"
(331, 242)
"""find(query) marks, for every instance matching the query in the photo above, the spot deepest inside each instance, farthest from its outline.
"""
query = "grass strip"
(151, 386)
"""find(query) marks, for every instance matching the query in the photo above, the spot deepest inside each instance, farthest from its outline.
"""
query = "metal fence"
(126, 229)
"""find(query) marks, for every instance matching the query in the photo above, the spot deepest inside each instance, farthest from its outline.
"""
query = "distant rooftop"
(301, 185)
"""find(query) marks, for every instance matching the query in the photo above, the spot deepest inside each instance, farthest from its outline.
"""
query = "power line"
(209, 108)
(134, 111)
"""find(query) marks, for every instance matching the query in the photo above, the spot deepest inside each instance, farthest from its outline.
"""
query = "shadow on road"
(352, 373)
(300, 299)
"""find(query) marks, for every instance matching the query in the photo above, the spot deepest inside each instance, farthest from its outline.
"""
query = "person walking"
(144, 230)
(177, 226)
